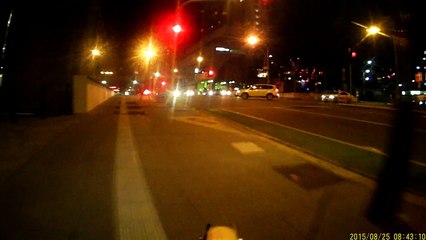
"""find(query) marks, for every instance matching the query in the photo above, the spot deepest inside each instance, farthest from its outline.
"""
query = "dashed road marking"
(247, 147)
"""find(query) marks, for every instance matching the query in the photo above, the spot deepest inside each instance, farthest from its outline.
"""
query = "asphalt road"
(204, 169)
(138, 169)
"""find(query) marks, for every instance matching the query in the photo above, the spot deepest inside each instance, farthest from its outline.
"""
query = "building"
(221, 58)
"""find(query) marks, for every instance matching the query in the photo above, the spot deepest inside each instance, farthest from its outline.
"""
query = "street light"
(148, 52)
(374, 30)
(253, 41)
(95, 52)
(200, 59)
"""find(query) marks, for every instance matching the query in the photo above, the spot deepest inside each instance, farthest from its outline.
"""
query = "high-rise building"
(223, 28)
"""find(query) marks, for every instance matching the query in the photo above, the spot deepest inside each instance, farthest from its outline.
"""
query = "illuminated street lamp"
(253, 41)
(200, 59)
(148, 52)
(95, 52)
(374, 30)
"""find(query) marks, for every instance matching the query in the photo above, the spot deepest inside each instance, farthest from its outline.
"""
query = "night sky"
(320, 32)
(316, 30)
(310, 28)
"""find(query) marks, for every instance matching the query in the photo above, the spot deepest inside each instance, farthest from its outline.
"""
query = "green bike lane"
(364, 161)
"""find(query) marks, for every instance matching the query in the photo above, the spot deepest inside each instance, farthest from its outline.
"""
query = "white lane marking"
(333, 116)
(365, 148)
(345, 118)
(137, 216)
(247, 147)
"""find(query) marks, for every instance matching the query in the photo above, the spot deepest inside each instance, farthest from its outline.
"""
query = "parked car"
(269, 91)
(337, 97)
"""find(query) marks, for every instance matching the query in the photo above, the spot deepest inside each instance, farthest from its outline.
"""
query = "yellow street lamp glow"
(96, 52)
(157, 74)
(252, 40)
(199, 59)
(175, 70)
(149, 53)
(373, 30)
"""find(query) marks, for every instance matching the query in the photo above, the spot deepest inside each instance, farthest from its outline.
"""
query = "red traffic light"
(353, 54)
(210, 73)
(177, 28)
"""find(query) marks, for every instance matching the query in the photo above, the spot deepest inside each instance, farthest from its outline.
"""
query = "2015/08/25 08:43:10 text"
(387, 236)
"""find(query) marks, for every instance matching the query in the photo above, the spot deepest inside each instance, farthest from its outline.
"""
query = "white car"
(337, 97)
(269, 91)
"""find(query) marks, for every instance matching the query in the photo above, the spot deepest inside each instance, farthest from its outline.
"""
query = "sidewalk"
(22, 140)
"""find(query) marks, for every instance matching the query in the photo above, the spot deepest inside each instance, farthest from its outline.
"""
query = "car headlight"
(331, 96)
(225, 92)
(189, 93)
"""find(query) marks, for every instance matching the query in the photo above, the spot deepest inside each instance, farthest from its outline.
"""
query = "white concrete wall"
(88, 94)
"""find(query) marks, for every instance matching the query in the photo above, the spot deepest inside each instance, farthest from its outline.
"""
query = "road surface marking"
(205, 122)
(321, 136)
(137, 216)
(247, 147)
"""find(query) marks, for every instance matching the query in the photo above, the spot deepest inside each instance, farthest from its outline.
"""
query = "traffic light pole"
(267, 65)
(350, 71)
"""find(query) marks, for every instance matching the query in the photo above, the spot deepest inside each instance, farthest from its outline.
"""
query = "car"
(337, 97)
(269, 91)
(419, 100)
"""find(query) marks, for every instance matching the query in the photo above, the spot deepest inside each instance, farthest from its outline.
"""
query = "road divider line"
(137, 217)
(338, 117)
